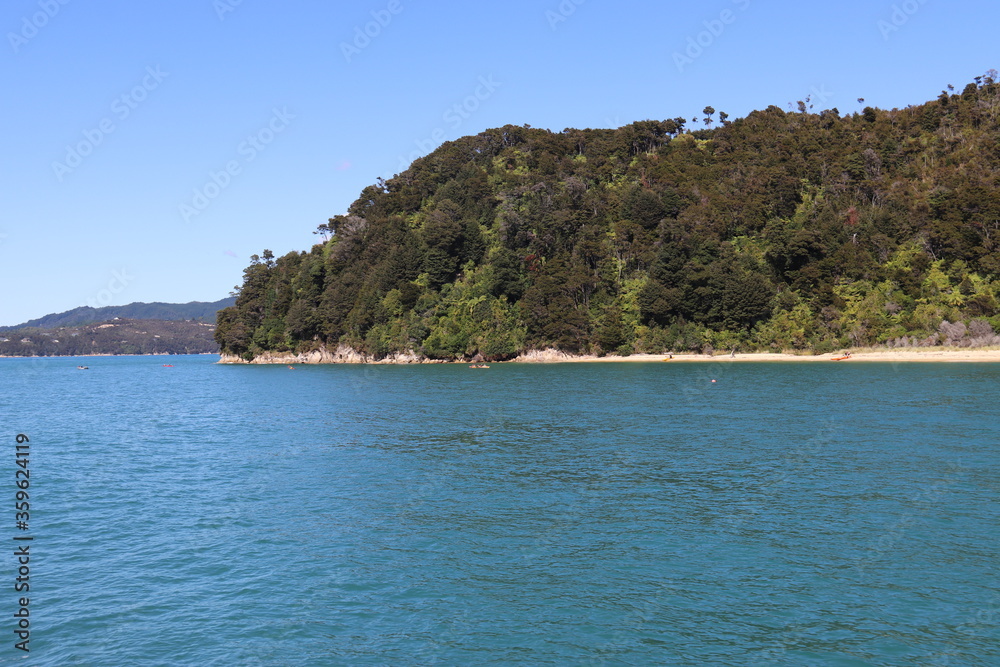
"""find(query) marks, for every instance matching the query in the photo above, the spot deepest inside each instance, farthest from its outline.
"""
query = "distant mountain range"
(195, 310)
(116, 336)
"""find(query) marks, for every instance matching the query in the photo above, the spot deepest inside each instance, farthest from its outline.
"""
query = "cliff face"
(778, 231)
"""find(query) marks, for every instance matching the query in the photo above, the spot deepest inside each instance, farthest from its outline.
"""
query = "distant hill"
(194, 310)
(117, 336)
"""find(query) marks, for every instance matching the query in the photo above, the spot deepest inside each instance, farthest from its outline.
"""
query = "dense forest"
(113, 337)
(803, 230)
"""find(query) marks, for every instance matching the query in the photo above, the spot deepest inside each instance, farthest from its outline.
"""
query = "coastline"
(863, 356)
(345, 355)
(342, 355)
(107, 354)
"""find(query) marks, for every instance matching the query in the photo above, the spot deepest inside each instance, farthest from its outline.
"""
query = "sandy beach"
(885, 356)
(344, 355)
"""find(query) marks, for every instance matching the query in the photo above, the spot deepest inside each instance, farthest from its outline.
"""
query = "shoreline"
(552, 356)
(867, 356)
(80, 356)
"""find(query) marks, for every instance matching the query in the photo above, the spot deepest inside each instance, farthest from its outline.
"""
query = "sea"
(183, 512)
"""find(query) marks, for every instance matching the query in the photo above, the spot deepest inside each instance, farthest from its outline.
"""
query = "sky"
(149, 149)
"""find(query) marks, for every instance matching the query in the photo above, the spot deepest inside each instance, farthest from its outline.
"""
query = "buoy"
(713, 380)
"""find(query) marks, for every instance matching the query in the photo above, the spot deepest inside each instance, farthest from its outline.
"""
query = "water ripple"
(623, 514)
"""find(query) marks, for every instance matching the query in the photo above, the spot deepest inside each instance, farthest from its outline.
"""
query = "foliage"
(116, 336)
(776, 231)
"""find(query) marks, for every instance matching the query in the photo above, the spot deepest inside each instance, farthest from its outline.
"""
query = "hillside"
(193, 310)
(112, 337)
(779, 231)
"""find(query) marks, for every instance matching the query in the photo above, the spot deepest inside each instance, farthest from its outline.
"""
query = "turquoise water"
(578, 514)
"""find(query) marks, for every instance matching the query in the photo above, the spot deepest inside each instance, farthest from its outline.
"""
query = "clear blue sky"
(116, 113)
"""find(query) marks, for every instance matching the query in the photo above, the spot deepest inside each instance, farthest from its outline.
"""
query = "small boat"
(82, 368)
(843, 358)
(291, 368)
(168, 365)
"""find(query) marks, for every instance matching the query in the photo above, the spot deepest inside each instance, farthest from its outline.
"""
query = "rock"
(342, 355)
(543, 356)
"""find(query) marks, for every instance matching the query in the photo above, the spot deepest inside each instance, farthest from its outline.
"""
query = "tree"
(324, 231)
(877, 224)
(746, 299)
(442, 234)
(612, 334)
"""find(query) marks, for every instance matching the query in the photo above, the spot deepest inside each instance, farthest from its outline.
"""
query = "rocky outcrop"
(341, 355)
(546, 356)
(348, 355)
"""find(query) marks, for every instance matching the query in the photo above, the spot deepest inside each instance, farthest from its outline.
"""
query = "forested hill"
(796, 231)
(193, 310)
(118, 336)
